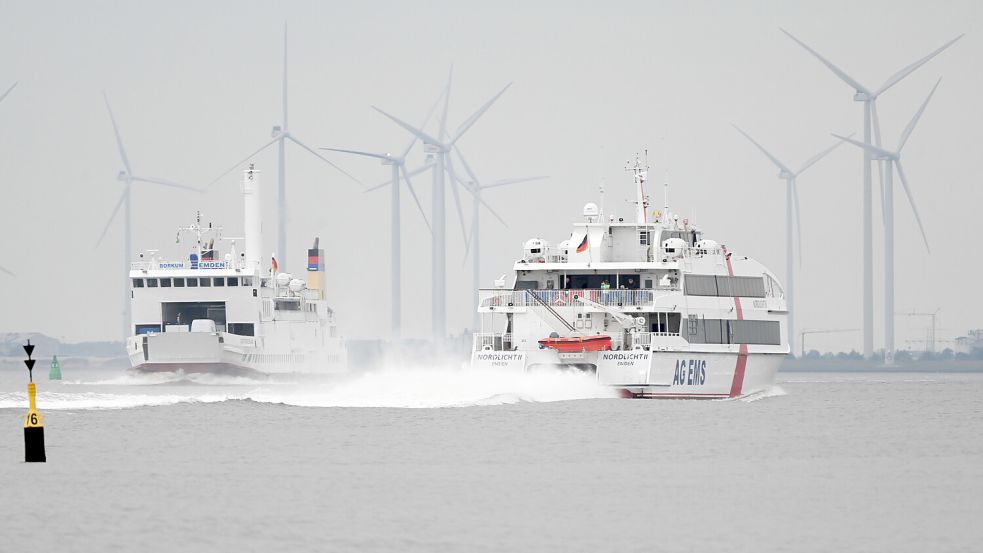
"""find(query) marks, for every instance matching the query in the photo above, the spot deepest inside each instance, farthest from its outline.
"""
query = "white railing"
(560, 298)
(494, 341)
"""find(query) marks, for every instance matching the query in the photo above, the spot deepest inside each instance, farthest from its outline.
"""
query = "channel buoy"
(33, 421)
(55, 372)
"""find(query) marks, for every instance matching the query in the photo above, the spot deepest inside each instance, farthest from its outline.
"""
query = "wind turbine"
(281, 134)
(475, 188)
(398, 167)
(440, 148)
(893, 159)
(1, 99)
(869, 98)
(791, 213)
(128, 178)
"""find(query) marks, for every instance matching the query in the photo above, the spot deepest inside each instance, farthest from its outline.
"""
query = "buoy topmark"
(33, 421)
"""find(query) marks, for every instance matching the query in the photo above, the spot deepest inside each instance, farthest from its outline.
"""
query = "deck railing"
(494, 341)
(561, 298)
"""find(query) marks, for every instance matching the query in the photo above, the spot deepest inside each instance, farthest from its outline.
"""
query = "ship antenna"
(665, 213)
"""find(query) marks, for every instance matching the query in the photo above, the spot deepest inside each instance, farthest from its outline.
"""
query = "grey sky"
(196, 86)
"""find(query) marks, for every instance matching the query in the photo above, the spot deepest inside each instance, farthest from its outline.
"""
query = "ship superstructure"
(647, 304)
(231, 311)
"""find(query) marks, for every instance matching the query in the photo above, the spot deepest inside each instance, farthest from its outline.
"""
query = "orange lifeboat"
(578, 344)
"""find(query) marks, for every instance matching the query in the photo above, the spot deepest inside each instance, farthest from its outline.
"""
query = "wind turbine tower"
(440, 148)
(475, 188)
(869, 99)
(281, 134)
(1, 99)
(397, 165)
(128, 178)
(791, 215)
(893, 160)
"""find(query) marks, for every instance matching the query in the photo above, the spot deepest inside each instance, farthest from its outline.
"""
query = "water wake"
(405, 388)
(424, 388)
(773, 391)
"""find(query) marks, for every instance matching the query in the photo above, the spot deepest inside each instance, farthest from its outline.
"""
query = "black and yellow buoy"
(33, 421)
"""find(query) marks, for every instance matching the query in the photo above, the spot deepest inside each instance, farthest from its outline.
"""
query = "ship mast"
(639, 171)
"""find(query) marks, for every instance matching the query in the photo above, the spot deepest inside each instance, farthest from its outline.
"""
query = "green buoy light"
(55, 373)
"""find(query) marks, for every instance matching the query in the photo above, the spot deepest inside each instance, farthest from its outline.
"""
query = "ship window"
(165, 283)
(205, 282)
(526, 285)
(151, 283)
(192, 283)
(241, 329)
(233, 281)
(138, 283)
(728, 331)
(755, 332)
(184, 313)
(247, 281)
(287, 304)
(219, 281)
(146, 329)
(179, 283)
(648, 283)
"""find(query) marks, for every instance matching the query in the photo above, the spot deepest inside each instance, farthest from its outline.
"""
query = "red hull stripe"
(737, 384)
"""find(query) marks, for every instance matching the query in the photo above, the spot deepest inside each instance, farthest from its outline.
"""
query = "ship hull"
(222, 353)
(654, 374)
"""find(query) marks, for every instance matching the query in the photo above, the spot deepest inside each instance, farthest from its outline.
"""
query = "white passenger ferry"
(649, 305)
(231, 312)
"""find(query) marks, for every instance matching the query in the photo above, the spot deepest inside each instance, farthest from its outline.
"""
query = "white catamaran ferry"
(648, 305)
(229, 313)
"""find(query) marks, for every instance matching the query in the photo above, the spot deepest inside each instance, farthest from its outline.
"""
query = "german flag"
(583, 245)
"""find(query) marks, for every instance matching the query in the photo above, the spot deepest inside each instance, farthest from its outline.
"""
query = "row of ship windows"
(731, 331)
(192, 282)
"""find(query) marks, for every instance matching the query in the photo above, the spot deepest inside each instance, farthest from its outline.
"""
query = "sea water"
(445, 460)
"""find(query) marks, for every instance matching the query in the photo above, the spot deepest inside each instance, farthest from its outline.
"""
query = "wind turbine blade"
(243, 160)
(911, 202)
(798, 219)
(457, 198)
(869, 147)
(411, 129)
(163, 182)
(477, 186)
(414, 172)
(1, 99)
(836, 70)
(475, 183)
(767, 154)
(447, 99)
(119, 140)
(504, 182)
(905, 71)
(914, 120)
(426, 120)
(109, 222)
(358, 153)
(812, 161)
(314, 153)
(493, 212)
(416, 199)
(7, 271)
(876, 123)
(470, 121)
